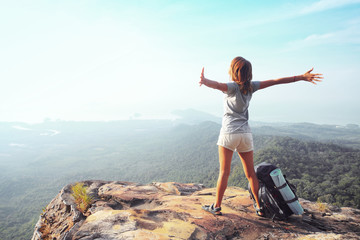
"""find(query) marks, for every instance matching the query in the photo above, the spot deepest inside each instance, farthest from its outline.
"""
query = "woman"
(235, 133)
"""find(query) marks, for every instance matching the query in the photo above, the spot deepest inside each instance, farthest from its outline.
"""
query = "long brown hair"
(241, 72)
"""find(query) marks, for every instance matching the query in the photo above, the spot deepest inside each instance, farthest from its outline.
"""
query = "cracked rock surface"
(126, 210)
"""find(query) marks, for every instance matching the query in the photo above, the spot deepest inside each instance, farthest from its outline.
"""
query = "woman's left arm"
(212, 84)
(308, 76)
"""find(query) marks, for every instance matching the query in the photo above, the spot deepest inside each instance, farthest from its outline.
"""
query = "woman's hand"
(202, 78)
(312, 77)
(212, 84)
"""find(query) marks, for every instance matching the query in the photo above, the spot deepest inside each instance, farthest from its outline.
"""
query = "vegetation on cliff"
(82, 198)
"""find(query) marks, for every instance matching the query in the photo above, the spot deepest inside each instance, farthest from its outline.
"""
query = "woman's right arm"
(308, 76)
(212, 84)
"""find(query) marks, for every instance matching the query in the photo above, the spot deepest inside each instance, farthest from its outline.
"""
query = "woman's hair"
(241, 72)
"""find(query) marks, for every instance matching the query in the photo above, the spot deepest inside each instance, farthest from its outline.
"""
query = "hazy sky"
(107, 60)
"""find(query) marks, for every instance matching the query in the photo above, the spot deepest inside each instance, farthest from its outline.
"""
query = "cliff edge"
(125, 210)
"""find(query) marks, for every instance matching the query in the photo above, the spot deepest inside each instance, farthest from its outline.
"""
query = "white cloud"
(348, 35)
(50, 132)
(17, 145)
(323, 5)
(21, 128)
(319, 37)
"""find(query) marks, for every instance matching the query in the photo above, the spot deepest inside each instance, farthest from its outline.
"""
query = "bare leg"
(225, 157)
(247, 160)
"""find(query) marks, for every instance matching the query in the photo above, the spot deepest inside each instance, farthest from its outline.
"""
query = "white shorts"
(240, 142)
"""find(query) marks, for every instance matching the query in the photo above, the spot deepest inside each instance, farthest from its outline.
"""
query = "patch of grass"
(44, 209)
(322, 206)
(82, 198)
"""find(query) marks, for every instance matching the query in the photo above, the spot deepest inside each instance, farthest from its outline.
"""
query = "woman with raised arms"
(235, 133)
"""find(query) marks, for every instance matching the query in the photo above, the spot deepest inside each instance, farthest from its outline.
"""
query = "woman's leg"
(247, 159)
(225, 157)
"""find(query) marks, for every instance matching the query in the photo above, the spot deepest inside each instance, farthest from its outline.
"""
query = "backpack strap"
(292, 200)
(282, 186)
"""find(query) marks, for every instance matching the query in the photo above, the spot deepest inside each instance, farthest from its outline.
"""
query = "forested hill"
(37, 160)
(348, 135)
(320, 171)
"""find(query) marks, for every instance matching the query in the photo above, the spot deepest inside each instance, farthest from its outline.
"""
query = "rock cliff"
(125, 210)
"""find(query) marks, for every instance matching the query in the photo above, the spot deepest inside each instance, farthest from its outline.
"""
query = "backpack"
(271, 201)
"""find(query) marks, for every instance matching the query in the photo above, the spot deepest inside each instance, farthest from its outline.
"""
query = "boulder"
(127, 210)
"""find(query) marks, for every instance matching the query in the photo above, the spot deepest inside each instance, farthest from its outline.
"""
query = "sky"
(111, 60)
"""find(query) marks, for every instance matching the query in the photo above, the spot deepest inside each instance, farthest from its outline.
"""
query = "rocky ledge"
(125, 210)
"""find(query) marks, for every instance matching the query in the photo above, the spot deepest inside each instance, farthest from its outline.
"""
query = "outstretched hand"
(312, 77)
(202, 78)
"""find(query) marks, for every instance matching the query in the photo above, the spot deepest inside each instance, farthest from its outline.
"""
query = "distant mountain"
(348, 135)
(192, 116)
